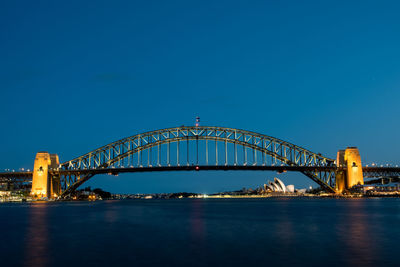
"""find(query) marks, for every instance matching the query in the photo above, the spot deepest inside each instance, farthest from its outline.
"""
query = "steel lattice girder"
(285, 152)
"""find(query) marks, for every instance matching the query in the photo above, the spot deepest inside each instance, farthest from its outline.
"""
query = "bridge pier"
(43, 183)
(340, 176)
(349, 159)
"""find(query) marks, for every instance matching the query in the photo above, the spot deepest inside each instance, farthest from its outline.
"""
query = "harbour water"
(202, 232)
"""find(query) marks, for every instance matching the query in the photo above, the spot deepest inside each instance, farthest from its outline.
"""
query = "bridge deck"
(368, 171)
(195, 168)
(203, 167)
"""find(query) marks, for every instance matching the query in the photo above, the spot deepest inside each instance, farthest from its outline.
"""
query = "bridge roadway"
(279, 169)
(22, 176)
(368, 172)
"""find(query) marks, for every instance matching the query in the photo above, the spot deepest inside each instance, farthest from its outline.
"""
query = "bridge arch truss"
(196, 146)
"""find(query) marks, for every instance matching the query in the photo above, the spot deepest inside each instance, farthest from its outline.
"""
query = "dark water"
(202, 232)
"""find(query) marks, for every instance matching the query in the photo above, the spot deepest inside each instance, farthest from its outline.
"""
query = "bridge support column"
(351, 160)
(340, 181)
(43, 184)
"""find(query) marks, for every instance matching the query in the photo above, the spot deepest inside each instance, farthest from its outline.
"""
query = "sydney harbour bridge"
(196, 148)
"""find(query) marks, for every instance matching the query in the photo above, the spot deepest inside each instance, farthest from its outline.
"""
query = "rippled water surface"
(202, 232)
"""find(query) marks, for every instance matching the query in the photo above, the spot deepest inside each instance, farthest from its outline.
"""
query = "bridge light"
(197, 168)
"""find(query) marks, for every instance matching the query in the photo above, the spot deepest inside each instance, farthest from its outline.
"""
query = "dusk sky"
(77, 75)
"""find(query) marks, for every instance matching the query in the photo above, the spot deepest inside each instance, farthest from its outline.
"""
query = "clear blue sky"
(76, 75)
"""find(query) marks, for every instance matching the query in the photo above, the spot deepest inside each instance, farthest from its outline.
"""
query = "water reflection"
(197, 232)
(110, 213)
(206, 232)
(197, 220)
(284, 225)
(37, 237)
(357, 235)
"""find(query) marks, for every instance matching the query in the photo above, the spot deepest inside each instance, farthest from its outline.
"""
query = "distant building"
(275, 187)
(302, 191)
(290, 188)
(278, 186)
(373, 189)
(281, 185)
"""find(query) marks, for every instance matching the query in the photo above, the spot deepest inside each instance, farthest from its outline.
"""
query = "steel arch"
(286, 153)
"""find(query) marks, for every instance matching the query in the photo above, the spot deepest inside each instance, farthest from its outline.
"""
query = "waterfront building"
(278, 186)
(290, 188)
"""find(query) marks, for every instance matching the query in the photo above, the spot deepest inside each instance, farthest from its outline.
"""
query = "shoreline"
(214, 197)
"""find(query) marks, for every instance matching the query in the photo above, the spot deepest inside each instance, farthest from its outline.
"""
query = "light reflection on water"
(37, 236)
(197, 220)
(197, 241)
(359, 241)
(202, 232)
(284, 226)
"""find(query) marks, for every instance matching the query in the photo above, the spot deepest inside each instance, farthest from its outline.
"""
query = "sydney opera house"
(278, 186)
